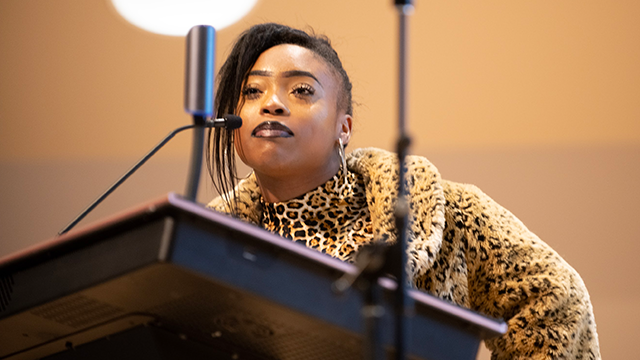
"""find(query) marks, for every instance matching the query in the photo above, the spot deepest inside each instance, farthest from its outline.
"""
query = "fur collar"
(380, 170)
(425, 200)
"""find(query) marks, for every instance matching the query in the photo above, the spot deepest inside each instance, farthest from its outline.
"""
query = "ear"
(344, 123)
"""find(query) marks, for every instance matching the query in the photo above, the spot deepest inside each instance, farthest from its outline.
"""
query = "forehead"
(287, 57)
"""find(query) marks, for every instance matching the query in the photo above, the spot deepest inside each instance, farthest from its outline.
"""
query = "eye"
(251, 92)
(303, 90)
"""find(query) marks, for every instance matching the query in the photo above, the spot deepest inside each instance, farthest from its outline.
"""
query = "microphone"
(229, 122)
(198, 90)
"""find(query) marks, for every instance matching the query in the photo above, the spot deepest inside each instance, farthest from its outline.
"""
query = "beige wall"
(537, 102)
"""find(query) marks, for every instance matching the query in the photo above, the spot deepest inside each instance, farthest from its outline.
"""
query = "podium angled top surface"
(174, 265)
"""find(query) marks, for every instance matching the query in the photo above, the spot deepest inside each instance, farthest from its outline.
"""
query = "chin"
(271, 164)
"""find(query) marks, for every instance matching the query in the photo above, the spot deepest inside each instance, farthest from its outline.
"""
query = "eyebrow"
(286, 74)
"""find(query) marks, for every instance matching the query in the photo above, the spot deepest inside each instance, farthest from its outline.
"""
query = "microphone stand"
(399, 253)
(197, 148)
(372, 261)
(198, 94)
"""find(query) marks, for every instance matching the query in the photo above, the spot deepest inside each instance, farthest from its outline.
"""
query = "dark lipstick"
(271, 129)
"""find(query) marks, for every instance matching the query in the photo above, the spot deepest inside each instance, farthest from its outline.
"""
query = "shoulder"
(489, 224)
(378, 161)
(246, 197)
(469, 200)
(489, 229)
(380, 169)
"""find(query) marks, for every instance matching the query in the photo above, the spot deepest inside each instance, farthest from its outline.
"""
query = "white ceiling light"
(176, 17)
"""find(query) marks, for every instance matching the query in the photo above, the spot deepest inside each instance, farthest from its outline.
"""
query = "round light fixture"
(176, 17)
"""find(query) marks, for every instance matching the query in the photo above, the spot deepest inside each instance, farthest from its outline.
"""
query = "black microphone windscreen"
(233, 121)
(199, 76)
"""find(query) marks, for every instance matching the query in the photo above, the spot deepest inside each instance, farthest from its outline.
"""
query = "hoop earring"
(343, 158)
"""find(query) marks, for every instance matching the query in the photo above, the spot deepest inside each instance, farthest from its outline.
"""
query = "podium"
(171, 279)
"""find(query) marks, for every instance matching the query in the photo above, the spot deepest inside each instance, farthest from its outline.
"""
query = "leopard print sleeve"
(515, 276)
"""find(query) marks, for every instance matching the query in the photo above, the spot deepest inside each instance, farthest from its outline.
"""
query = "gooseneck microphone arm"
(123, 178)
(229, 122)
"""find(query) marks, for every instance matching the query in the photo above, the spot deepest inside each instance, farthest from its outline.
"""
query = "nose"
(274, 106)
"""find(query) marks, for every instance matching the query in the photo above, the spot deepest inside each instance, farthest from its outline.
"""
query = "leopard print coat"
(466, 249)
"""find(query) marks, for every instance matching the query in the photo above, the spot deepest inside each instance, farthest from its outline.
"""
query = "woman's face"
(291, 119)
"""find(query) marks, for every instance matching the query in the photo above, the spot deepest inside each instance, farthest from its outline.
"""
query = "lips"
(272, 129)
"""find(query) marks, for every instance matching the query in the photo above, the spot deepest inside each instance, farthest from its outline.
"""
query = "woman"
(295, 100)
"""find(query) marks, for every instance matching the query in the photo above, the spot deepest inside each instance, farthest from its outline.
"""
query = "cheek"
(238, 143)
(244, 114)
(320, 118)
(320, 110)
(244, 132)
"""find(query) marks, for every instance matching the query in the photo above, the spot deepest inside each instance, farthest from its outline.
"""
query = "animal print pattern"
(466, 249)
(334, 218)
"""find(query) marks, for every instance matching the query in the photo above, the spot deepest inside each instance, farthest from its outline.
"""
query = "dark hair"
(231, 77)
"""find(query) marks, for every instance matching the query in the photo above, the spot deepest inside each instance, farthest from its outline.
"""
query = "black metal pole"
(197, 148)
(373, 261)
(402, 207)
(372, 312)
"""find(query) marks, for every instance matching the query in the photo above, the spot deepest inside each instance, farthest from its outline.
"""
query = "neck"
(283, 188)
